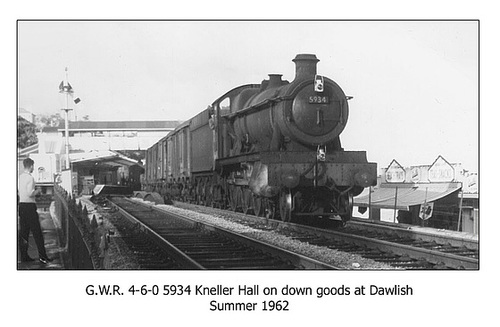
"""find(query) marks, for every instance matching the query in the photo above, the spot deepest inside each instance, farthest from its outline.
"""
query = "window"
(225, 106)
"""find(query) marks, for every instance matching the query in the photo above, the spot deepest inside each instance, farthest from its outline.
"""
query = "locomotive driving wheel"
(217, 196)
(258, 205)
(199, 193)
(208, 196)
(246, 201)
(285, 203)
(269, 208)
(232, 199)
(235, 198)
(347, 204)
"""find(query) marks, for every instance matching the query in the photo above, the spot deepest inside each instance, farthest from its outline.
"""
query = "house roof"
(106, 157)
(387, 198)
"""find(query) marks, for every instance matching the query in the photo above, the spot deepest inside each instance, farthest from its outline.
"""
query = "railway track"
(400, 252)
(146, 253)
(189, 244)
(402, 248)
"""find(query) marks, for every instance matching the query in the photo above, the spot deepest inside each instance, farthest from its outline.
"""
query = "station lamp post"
(66, 89)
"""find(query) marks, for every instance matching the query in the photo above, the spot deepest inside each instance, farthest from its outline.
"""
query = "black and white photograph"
(224, 169)
(255, 154)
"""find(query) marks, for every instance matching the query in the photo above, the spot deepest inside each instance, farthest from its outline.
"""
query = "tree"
(46, 120)
(26, 133)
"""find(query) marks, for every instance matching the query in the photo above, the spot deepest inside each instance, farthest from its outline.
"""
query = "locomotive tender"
(268, 149)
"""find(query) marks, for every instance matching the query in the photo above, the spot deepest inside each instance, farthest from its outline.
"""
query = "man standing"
(28, 216)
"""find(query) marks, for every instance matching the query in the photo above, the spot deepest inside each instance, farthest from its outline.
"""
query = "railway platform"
(52, 246)
(423, 230)
(444, 232)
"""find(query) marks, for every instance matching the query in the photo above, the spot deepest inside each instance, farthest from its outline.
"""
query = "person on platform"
(28, 215)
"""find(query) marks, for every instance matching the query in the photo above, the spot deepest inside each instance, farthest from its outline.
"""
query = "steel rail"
(418, 253)
(432, 256)
(172, 250)
(296, 259)
(418, 233)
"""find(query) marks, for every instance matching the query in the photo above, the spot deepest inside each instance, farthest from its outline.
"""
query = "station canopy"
(105, 158)
(402, 196)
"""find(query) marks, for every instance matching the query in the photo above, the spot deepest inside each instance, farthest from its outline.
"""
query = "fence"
(83, 238)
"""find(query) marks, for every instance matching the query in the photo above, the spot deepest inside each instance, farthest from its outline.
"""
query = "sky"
(414, 83)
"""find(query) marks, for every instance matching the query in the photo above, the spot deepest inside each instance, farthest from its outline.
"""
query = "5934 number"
(318, 99)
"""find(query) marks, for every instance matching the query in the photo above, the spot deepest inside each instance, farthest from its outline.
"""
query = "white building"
(447, 193)
(96, 138)
(115, 135)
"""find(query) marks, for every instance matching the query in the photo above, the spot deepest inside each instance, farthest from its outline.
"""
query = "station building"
(101, 152)
(440, 195)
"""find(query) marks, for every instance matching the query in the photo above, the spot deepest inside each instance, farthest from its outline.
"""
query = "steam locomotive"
(271, 149)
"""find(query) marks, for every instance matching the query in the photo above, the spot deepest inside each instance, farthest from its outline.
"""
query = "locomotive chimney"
(274, 80)
(305, 66)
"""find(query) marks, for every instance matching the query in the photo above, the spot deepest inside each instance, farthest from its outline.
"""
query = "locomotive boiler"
(269, 149)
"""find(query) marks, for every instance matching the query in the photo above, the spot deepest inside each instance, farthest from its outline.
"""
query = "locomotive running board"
(294, 157)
